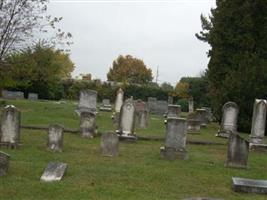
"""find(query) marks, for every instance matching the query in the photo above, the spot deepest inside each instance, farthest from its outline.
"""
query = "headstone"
(33, 96)
(193, 126)
(175, 140)
(118, 103)
(141, 112)
(170, 100)
(152, 103)
(238, 149)
(106, 106)
(249, 185)
(109, 144)
(87, 124)
(10, 126)
(4, 163)
(258, 122)
(54, 171)
(12, 94)
(203, 117)
(87, 101)
(161, 107)
(229, 120)
(190, 105)
(209, 113)
(127, 120)
(173, 110)
(55, 138)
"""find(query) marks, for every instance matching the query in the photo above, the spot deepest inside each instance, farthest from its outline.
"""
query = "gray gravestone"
(55, 138)
(12, 94)
(209, 114)
(175, 140)
(106, 106)
(127, 120)
(33, 96)
(203, 117)
(238, 150)
(118, 103)
(161, 107)
(191, 105)
(10, 126)
(87, 124)
(173, 111)
(229, 120)
(152, 103)
(249, 185)
(258, 122)
(4, 163)
(141, 114)
(109, 144)
(193, 126)
(87, 101)
(54, 171)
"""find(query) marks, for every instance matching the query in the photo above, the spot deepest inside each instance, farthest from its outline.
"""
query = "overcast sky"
(161, 33)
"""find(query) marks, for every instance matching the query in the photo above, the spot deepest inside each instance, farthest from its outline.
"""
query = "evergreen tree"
(237, 70)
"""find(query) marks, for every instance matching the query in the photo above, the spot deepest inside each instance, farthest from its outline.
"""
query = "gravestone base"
(249, 185)
(4, 163)
(257, 140)
(10, 145)
(222, 134)
(173, 154)
(234, 165)
(126, 137)
(258, 147)
(105, 108)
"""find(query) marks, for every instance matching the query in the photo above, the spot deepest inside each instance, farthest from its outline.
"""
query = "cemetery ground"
(137, 173)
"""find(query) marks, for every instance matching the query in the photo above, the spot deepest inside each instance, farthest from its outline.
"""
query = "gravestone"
(87, 124)
(4, 163)
(118, 103)
(203, 117)
(55, 138)
(54, 172)
(170, 100)
(87, 101)
(33, 96)
(127, 120)
(258, 123)
(208, 113)
(152, 103)
(190, 105)
(173, 111)
(193, 126)
(249, 185)
(141, 113)
(238, 149)
(161, 107)
(10, 126)
(175, 139)
(109, 144)
(229, 120)
(106, 106)
(12, 94)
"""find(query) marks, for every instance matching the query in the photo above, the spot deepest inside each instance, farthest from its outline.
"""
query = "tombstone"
(10, 127)
(54, 172)
(87, 124)
(127, 120)
(152, 104)
(87, 101)
(203, 117)
(141, 113)
(229, 120)
(161, 107)
(173, 111)
(190, 105)
(170, 100)
(175, 140)
(109, 144)
(4, 163)
(55, 138)
(193, 126)
(33, 96)
(209, 114)
(249, 185)
(118, 103)
(258, 122)
(106, 106)
(12, 94)
(238, 149)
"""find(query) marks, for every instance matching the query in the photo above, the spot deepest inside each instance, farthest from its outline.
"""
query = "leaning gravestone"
(55, 138)
(33, 96)
(229, 120)
(173, 110)
(175, 140)
(249, 185)
(190, 105)
(87, 101)
(118, 103)
(127, 120)
(4, 163)
(141, 112)
(258, 123)
(54, 172)
(109, 144)
(10, 126)
(106, 106)
(87, 124)
(238, 149)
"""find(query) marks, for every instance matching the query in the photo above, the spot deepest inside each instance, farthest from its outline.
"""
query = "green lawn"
(138, 172)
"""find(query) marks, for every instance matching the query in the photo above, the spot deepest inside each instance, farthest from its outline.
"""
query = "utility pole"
(157, 74)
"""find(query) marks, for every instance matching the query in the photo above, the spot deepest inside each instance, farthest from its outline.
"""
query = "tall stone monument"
(118, 104)
(55, 138)
(229, 120)
(191, 105)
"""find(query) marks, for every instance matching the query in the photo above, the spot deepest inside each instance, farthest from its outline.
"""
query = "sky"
(161, 33)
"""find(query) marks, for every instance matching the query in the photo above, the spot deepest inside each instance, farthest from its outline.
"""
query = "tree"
(21, 20)
(129, 69)
(237, 34)
(182, 90)
(166, 86)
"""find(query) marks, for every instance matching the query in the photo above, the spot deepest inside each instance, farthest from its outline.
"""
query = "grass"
(138, 172)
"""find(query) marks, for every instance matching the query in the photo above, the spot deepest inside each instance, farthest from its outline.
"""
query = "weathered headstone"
(209, 113)
(258, 122)
(54, 171)
(193, 126)
(127, 120)
(229, 120)
(87, 101)
(87, 124)
(109, 144)
(4, 163)
(190, 105)
(106, 106)
(175, 139)
(33, 96)
(152, 104)
(161, 107)
(141, 112)
(238, 149)
(55, 138)
(118, 103)
(173, 110)
(249, 185)
(10, 126)
(203, 117)
(12, 94)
